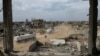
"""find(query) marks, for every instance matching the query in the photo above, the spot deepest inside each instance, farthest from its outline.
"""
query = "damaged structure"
(38, 23)
(8, 35)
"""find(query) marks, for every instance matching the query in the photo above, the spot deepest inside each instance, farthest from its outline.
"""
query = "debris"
(1, 53)
(54, 42)
(35, 46)
(49, 30)
(75, 45)
(57, 41)
(24, 37)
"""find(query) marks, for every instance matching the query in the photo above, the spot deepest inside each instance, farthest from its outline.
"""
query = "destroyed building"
(38, 23)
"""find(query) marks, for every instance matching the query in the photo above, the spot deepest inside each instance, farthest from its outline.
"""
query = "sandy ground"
(24, 46)
(62, 31)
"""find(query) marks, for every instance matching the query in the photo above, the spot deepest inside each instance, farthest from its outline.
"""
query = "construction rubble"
(40, 38)
(70, 48)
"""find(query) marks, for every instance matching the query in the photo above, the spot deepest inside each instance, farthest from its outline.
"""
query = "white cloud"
(41, 4)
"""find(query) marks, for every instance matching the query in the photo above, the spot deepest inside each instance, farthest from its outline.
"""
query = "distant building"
(38, 23)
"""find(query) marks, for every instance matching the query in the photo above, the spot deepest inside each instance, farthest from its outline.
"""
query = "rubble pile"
(60, 40)
(65, 50)
(72, 48)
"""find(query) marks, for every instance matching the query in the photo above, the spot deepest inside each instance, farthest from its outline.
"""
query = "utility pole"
(7, 21)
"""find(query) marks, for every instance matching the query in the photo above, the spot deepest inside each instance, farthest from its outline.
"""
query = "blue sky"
(53, 10)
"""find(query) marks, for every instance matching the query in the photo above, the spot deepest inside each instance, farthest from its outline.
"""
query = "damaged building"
(38, 23)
